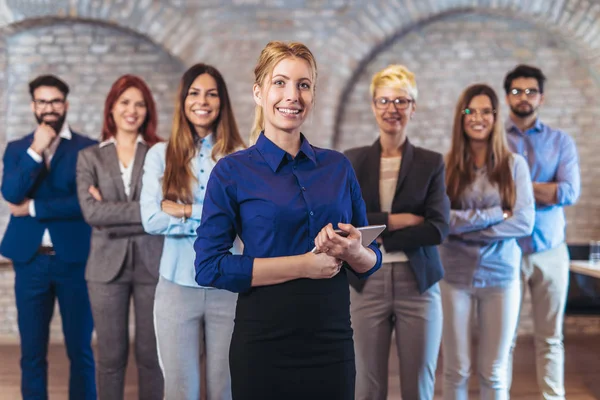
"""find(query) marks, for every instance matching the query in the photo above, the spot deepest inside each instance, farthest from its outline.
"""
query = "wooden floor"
(582, 372)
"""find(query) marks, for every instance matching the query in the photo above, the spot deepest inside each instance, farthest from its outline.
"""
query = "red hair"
(148, 128)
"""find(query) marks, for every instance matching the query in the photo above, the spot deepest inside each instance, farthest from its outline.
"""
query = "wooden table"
(585, 268)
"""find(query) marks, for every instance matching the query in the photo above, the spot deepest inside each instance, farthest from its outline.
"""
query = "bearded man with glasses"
(48, 242)
(554, 167)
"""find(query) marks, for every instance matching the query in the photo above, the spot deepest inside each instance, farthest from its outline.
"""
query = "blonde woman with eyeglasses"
(403, 187)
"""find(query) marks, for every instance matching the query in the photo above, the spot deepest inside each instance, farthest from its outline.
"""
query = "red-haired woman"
(123, 261)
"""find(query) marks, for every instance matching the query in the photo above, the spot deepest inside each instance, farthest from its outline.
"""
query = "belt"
(46, 250)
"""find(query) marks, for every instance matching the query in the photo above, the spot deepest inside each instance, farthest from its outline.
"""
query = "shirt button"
(202, 187)
(303, 188)
(201, 171)
(311, 213)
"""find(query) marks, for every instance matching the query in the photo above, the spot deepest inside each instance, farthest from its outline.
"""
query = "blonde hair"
(395, 76)
(460, 165)
(270, 56)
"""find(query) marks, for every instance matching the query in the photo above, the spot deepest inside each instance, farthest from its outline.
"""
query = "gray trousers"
(190, 321)
(110, 309)
(546, 274)
(497, 311)
(391, 301)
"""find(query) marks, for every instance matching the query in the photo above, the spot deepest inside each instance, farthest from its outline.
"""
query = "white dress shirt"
(125, 171)
(65, 133)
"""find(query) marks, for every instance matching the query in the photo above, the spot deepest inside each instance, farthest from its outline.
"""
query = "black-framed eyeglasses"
(484, 112)
(54, 103)
(529, 92)
(400, 103)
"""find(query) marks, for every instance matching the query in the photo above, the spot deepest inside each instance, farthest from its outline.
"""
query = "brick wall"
(449, 43)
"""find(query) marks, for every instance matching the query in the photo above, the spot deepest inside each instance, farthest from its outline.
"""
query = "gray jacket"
(116, 220)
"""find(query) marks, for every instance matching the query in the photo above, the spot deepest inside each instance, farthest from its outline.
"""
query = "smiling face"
(287, 97)
(203, 104)
(129, 111)
(479, 119)
(392, 118)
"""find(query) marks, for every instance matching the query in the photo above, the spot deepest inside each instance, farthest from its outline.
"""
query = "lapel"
(371, 170)
(405, 165)
(138, 165)
(63, 146)
(111, 162)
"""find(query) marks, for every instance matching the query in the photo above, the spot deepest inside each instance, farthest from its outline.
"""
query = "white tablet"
(369, 233)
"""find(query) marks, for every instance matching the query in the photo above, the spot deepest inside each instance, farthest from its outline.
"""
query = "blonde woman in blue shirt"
(491, 206)
(189, 319)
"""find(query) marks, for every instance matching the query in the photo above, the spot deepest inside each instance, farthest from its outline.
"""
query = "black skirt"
(294, 341)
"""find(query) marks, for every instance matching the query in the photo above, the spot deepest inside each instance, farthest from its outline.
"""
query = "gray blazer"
(116, 221)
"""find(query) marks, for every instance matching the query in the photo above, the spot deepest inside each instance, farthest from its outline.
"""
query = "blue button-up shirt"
(482, 249)
(552, 157)
(177, 261)
(277, 204)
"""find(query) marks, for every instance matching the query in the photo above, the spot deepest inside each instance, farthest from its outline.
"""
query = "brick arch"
(163, 24)
(90, 55)
(448, 54)
(576, 21)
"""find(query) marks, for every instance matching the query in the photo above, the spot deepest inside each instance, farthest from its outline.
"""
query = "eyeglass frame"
(55, 104)
(391, 101)
(529, 92)
(477, 112)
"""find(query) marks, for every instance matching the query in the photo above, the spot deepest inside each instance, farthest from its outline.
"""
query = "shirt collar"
(207, 141)
(510, 126)
(274, 155)
(112, 140)
(65, 132)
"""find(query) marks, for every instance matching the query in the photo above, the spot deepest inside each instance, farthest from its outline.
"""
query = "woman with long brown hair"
(123, 261)
(189, 319)
(491, 206)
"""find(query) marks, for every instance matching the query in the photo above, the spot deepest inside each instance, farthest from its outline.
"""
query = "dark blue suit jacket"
(56, 205)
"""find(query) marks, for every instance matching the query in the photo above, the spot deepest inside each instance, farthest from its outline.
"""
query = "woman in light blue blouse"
(189, 319)
(492, 205)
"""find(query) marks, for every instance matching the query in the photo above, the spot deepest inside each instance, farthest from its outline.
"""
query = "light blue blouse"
(177, 262)
(482, 249)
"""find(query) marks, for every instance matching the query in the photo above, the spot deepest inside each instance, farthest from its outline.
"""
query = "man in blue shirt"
(48, 242)
(554, 166)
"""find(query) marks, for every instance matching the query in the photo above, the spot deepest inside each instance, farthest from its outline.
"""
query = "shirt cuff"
(364, 275)
(36, 157)
(496, 215)
(31, 208)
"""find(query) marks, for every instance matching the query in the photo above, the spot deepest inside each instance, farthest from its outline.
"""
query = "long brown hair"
(181, 149)
(460, 165)
(148, 128)
(270, 56)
